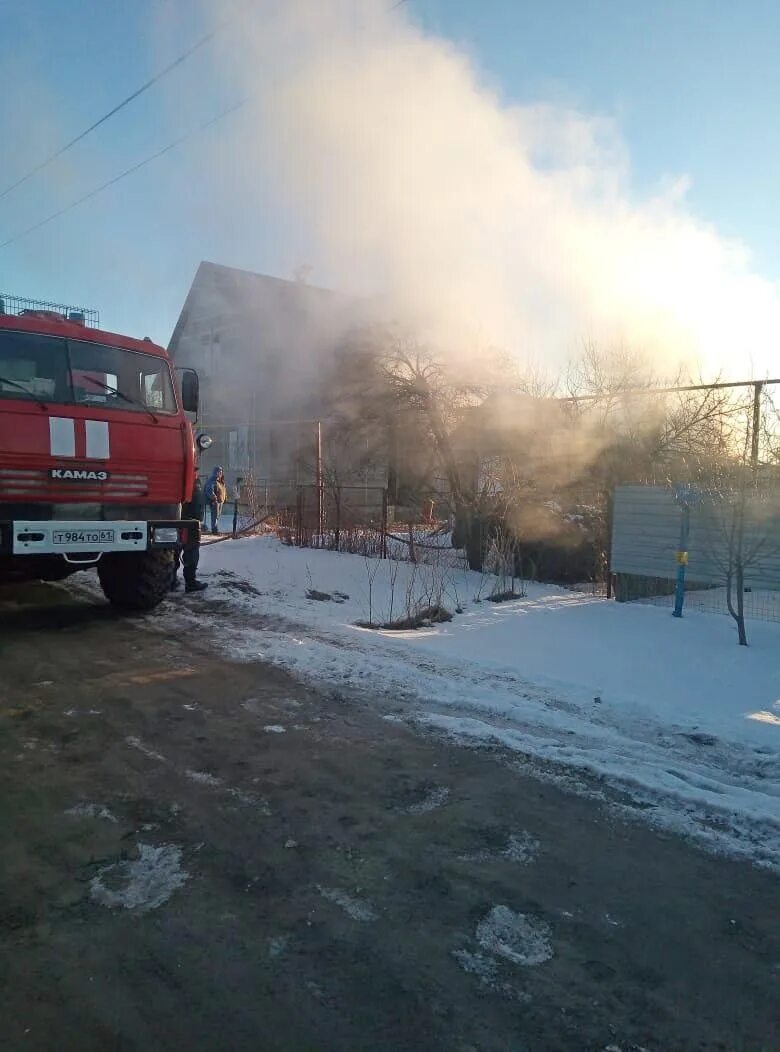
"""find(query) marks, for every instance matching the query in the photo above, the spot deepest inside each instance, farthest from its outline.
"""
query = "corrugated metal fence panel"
(646, 535)
(711, 525)
(645, 531)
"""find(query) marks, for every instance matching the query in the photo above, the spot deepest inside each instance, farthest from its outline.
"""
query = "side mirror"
(204, 442)
(190, 390)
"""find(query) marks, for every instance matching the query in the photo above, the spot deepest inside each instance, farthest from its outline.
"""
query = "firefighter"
(190, 556)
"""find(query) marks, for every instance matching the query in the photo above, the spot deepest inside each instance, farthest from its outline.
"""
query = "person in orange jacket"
(216, 495)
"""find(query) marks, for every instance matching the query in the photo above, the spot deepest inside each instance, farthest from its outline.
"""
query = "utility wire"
(125, 102)
(141, 164)
(123, 175)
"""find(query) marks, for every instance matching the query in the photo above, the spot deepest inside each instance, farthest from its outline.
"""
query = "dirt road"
(205, 855)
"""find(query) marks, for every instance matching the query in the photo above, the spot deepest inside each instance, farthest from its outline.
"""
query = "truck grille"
(32, 484)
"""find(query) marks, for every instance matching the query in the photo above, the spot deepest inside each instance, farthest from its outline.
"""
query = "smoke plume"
(408, 179)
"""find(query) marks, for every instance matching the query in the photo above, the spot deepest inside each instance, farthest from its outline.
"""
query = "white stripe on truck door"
(97, 440)
(62, 437)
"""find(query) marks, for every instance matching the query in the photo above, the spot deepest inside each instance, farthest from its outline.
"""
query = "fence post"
(610, 522)
(682, 561)
(299, 518)
(320, 488)
(384, 523)
(337, 531)
(756, 428)
(685, 496)
(236, 495)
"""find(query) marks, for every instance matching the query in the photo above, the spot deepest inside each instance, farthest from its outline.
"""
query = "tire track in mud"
(722, 794)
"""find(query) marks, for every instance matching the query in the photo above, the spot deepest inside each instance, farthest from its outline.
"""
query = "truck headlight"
(165, 535)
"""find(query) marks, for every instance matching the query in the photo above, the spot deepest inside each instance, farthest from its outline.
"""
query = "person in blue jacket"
(215, 492)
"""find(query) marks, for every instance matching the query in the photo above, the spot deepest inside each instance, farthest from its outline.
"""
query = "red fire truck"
(96, 453)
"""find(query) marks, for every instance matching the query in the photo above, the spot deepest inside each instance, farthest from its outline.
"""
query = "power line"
(123, 175)
(147, 160)
(125, 102)
(617, 392)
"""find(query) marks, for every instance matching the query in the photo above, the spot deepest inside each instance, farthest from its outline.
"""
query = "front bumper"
(83, 538)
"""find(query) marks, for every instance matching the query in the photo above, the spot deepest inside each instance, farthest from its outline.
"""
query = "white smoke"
(483, 221)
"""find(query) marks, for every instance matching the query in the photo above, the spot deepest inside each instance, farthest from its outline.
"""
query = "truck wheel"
(136, 580)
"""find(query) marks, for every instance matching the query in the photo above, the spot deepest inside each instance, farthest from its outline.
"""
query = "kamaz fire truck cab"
(96, 453)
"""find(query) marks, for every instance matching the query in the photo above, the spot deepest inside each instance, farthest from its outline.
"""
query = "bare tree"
(646, 433)
(740, 529)
(510, 453)
(423, 385)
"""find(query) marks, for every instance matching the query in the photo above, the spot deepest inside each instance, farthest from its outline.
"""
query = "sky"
(687, 92)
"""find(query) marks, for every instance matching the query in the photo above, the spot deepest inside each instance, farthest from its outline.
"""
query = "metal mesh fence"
(352, 519)
(760, 604)
(343, 518)
(722, 549)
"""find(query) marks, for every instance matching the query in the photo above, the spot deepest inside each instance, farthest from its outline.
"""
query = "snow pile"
(515, 936)
(485, 968)
(434, 799)
(672, 711)
(520, 847)
(143, 883)
(91, 811)
(357, 909)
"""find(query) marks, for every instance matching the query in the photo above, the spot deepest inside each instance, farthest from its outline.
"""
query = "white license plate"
(83, 536)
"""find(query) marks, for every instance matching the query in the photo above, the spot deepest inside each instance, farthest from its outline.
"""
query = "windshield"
(52, 369)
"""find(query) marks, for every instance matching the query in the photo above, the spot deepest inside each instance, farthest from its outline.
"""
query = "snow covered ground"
(672, 712)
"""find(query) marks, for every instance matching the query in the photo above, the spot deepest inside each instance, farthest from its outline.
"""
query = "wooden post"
(755, 433)
(320, 485)
(610, 523)
(384, 523)
(337, 537)
(236, 497)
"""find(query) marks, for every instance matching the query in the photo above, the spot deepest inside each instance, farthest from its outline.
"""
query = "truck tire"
(136, 580)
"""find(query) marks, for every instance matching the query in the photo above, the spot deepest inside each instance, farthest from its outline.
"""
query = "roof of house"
(236, 287)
